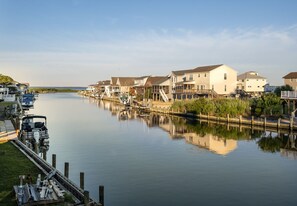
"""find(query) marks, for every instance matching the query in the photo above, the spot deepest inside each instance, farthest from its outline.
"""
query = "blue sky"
(78, 42)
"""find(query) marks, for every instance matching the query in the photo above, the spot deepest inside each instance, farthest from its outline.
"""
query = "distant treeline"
(51, 90)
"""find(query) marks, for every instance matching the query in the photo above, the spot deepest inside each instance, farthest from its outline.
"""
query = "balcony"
(288, 94)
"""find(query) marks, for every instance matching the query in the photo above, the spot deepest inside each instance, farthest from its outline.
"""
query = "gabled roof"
(206, 68)
(126, 81)
(152, 80)
(114, 81)
(197, 69)
(291, 75)
(161, 80)
(103, 83)
(249, 75)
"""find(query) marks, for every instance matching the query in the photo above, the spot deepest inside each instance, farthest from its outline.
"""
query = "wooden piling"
(66, 169)
(228, 118)
(86, 198)
(82, 180)
(264, 122)
(101, 195)
(252, 121)
(291, 123)
(278, 123)
(240, 119)
(54, 160)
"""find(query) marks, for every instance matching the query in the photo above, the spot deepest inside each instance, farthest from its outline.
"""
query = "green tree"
(267, 104)
(5, 79)
(278, 90)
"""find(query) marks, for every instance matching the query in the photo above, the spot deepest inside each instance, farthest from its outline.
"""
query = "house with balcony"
(161, 89)
(207, 81)
(103, 88)
(121, 85)
(291, 80)
(251, 82)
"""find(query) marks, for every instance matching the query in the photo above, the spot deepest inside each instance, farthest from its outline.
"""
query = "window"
(205, 75)
(225, 76)
(191, 77)
(212, 87)
(198, 75)
(225, 88)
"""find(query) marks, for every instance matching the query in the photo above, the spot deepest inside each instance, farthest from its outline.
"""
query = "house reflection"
(219, 139)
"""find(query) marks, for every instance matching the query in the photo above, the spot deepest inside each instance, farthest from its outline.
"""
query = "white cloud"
(272, 52)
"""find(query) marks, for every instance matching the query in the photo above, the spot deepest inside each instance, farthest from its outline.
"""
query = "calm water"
(157, 160)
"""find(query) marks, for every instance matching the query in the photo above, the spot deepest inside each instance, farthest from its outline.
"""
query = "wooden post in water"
(82, 180)
(86, 198)
(228, 118)
(252, 121)
(292, 123)
(265, 123)
(66, 169)
(101, 195)
(240, 119)
(278, 123)
(54, 160)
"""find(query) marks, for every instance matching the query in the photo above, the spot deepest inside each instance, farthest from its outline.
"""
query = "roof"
(114, 80)
(152, 80)
(161, 80)
(197, 69)
(126, 81)
(248, 75)
(206, 68)
(105, 82)
(291, 75)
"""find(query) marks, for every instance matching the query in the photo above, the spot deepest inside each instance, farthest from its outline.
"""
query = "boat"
(33, 127)
(28, 100)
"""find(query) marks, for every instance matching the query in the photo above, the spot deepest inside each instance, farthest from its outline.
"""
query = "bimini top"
(33, 116)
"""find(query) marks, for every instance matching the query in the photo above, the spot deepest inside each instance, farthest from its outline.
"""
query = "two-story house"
(291, 80)
(251, 82)
(205, 80)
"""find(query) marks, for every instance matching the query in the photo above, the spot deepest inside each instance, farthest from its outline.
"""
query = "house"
(103, 88)
(203, 81)
(161, 89)
(251, 82)
(291, 80)
(120, 85)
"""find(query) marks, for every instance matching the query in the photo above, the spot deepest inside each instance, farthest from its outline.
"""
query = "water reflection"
(219, 139)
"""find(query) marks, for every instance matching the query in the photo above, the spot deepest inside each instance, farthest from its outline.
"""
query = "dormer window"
(205, 75)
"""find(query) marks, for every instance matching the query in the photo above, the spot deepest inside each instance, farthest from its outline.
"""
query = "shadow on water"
(217, 138)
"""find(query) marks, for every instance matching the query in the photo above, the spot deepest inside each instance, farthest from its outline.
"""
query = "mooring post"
(240, 119)
(66, 169)
(265, 123)
(82, 180)
(101, 195)
(252, 121)
(278, 123)
(86, 198)
(54, 160)
(228, 118)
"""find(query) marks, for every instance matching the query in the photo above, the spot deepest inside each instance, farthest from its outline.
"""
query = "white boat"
(33, 127)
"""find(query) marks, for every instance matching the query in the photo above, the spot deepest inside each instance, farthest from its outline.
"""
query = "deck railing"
(289, 94)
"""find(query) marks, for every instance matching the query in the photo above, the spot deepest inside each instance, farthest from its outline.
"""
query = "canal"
(155, 160)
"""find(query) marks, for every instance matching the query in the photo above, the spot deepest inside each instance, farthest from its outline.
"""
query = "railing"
(288, 94)
(194, 91)
(164, 96)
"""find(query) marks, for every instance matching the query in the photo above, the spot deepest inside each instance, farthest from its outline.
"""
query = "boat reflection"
(219, 139)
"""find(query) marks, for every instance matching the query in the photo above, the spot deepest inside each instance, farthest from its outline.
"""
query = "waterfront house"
(161, 89)
(251, 82)
(210, 80)
(121, 85)
(103, 88)
(139, 85)
(291, 79)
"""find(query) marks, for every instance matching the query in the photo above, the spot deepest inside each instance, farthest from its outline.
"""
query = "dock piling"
(86, 198)
(66, 169)
(101, 195)
(82, 180)
(54, 160)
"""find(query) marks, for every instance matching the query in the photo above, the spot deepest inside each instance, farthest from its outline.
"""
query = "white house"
(251, 82)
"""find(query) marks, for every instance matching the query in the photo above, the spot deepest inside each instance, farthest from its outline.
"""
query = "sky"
(79, 42)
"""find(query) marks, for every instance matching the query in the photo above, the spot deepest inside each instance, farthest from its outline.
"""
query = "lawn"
(12, 164)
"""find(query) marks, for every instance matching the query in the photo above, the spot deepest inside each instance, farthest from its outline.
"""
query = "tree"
(268, 104)
(278, 90)
(5, 79)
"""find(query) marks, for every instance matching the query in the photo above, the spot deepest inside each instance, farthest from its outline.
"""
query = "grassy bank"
(13, 163)
(51, 90)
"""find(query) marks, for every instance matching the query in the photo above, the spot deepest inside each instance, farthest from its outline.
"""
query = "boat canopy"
(34, 116)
